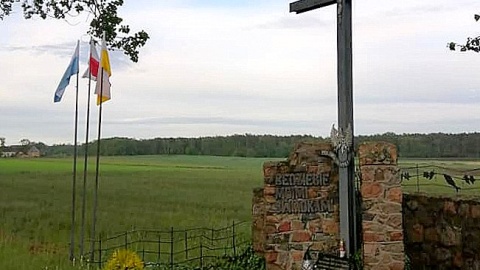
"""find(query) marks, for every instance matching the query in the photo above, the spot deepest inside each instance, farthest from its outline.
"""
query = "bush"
(123, 259)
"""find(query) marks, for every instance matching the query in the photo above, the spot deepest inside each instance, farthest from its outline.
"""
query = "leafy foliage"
(123, 259)
(472, 44)
(408, 262)
(105, 18)
(357, 259)
(434, 145)
(246, 260)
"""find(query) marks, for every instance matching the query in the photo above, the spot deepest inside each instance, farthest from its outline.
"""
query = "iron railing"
(171, 248)
(431, 178)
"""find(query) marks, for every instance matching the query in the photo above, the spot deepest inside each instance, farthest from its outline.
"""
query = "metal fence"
(171, 248)
(439, 178)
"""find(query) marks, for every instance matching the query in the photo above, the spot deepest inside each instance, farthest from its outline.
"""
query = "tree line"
(434, 145)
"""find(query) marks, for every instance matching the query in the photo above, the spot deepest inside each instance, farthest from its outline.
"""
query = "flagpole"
(74, 180)
(95, 196)
(85, 170)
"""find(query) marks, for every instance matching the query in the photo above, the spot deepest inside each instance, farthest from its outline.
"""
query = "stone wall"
(442, 232)
(258, 221)
(298, 209)
(382, 207)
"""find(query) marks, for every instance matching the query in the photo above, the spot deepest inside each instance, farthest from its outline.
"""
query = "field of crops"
(146, 192)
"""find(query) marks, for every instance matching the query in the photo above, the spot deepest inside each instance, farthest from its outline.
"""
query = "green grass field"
(143, 192)
(437, 185)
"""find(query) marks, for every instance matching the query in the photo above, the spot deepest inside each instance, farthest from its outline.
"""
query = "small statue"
(342, 142)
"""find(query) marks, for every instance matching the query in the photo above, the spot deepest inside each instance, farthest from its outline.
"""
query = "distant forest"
(435, 145)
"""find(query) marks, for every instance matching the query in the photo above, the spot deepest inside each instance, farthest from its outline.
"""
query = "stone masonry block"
(301, 236)
(377, 153)
(371, 190)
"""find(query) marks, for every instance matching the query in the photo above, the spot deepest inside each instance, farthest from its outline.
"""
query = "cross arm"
(307, 5)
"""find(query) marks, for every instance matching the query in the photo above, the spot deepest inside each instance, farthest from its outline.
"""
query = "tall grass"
(143, 192)
(148, 192)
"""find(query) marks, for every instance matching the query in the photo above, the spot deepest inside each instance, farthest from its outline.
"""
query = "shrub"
(123, 259)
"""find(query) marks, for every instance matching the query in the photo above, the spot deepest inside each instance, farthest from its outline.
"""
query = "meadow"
(143, 192)
(455, 168)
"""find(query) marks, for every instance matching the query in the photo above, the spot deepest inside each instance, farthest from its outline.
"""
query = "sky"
(224, 67)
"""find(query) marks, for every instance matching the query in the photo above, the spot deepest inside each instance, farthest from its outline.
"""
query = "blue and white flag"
(72, 69)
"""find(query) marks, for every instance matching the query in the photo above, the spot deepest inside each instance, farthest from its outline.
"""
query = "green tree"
(2, 144)
(25, 142)
(105, 18)
(472, 44)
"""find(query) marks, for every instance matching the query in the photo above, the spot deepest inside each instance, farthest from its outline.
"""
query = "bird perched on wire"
(429, 175)
(450, 181)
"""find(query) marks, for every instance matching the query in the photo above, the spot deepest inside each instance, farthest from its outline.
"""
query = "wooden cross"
(348, 217)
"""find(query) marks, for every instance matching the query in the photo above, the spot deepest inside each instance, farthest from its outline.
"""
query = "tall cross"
(348, 218)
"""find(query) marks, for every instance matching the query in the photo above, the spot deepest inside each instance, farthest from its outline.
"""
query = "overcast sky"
(224, 67)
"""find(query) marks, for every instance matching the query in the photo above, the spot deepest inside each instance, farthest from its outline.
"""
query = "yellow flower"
(123, 259)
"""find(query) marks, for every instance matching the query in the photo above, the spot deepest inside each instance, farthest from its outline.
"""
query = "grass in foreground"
(148, 192)
(144, 192)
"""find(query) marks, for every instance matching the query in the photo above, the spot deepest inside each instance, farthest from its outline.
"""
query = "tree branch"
(472, 44)
(105, 18)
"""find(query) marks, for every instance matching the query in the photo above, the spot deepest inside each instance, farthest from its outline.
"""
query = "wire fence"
(435, 178)
(172, 248)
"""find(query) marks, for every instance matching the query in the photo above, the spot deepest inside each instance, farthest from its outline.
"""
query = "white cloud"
(250, 67)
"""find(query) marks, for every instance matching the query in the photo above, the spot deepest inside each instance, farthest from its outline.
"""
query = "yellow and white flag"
(102, 89)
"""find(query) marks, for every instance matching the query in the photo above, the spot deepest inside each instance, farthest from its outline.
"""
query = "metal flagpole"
(74, 179)
(85, 167)
(95, 194)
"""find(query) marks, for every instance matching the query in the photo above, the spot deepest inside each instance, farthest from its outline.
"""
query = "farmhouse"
(19, 151)
(33, 152)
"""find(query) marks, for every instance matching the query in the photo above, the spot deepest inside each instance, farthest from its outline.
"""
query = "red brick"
(272, 266)
(301, 236)
(297, 225)
(312, 169)
(369, 237)
(371, 190)
(285, 226)
(395, 194)
(329, 226)
(396, 236)
(397, 265)
(271, 256)
(269, 229)
(371, 249)
(297, 255)
(315, 225)
(271, 220)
